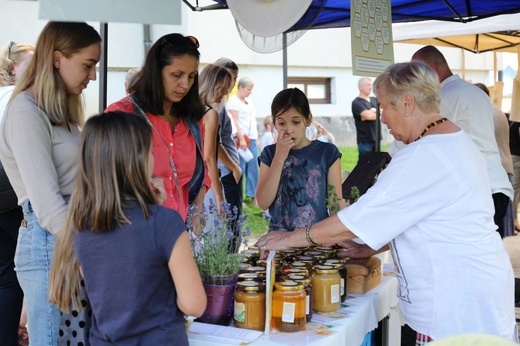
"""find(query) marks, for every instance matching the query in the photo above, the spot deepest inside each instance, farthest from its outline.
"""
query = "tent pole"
(103, 31)
(495, 67)
(284, 42)
(463, 64)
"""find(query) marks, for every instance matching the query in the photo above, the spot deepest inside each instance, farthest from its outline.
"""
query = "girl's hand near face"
(284, 143)
(159, 190)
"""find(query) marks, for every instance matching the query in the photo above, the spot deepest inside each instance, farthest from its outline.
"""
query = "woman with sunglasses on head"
(14, 59)
(39, 143)
(166, 93)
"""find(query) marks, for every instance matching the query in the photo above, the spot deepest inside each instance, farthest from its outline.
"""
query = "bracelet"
(308, 235)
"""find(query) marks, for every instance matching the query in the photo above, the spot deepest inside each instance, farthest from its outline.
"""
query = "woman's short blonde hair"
(415, 78)
(10, 55)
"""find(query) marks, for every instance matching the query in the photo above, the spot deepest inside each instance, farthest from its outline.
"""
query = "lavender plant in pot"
(217, 258)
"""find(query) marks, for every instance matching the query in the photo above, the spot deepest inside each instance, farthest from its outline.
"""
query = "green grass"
(255, 219)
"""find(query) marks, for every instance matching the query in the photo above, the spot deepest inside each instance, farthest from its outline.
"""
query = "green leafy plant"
(354, 193)
(332, 200)
(215, 251)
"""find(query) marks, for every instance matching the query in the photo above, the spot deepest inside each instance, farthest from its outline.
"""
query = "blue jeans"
(250, 170)
(33, 259)
(366, 146)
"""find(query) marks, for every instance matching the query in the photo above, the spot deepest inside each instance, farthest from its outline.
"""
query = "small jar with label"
(307, 287)
(326, 283)
(340, 265)
(249, 309)
(288, 307)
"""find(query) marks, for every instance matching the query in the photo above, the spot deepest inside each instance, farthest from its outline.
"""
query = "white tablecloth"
(363, 312)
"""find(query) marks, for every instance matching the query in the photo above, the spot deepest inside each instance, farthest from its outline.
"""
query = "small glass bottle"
(340, 265)
(307, 287)
(326, 285)
(249, 309)
(288, 307)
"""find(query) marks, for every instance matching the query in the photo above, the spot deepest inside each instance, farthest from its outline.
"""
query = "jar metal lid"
(250, 285)
(288, 286)
(324, 269)
(298, 278)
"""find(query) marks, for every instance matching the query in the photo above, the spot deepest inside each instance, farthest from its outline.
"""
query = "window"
(317, 89)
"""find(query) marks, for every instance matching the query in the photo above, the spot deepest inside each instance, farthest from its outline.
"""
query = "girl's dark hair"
(148, 84)
(288, 98)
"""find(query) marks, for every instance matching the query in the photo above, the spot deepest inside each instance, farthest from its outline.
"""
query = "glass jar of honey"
(326, 288)
(249, 309)
(307, 287)
(340, 265)
(288, 307)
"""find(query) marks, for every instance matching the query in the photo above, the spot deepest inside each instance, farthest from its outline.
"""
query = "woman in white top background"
(14, 59)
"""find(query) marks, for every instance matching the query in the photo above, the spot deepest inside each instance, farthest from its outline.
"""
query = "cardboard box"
(363, 274)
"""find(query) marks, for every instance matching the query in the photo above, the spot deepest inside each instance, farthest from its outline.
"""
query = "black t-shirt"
(366, 130)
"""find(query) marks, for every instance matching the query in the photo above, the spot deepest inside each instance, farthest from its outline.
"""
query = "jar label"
(342, 288)
(334, 294)
(288, 312)
(307, 304)
(240, 312)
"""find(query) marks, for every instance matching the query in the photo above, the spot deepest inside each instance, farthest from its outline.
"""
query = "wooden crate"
(363, 274)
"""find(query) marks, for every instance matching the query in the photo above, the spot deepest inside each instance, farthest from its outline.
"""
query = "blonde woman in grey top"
(39, 143)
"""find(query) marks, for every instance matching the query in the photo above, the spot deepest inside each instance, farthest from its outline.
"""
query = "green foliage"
(332, 200)
(354, 193)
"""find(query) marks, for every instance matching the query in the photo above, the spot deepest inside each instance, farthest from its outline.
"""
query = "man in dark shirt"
(364, 111)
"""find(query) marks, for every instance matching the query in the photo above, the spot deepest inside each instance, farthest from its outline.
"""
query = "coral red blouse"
(181, 144)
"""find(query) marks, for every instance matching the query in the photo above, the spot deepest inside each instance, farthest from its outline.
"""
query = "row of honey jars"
(288, 307)
(249, 307)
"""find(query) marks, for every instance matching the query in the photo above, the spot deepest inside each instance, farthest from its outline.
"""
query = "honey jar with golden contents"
(326, 283)
(307, 287)
(249, 309)
(288, 307)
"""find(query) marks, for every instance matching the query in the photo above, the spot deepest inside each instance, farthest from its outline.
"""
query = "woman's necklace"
(430, 125)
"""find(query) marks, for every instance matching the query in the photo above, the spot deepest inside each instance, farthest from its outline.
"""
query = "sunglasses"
(11, 44)
(173, 40)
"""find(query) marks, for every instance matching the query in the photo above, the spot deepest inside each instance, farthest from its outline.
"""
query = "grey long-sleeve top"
(39, 159)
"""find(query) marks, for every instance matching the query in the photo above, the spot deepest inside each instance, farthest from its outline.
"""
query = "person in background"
(268, 136)
(470, 109)
(514, 146)
(129, 78)
(502, 137)
(228, 157)
(364, 111)
(120, 224)
(214, 85)
(323, 134)
(243, 114)
(14, 59)
(431, 205)
(295, 173)
(166, 92)
(39, 142)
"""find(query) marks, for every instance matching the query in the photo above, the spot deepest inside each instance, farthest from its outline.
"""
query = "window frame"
(306, 81)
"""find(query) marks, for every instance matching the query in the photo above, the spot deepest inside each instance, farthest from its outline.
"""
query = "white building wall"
(318, 53)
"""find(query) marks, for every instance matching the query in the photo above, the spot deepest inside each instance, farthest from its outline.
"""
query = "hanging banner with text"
(371, 36)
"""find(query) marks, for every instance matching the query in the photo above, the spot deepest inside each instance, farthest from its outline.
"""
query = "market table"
(363, 313)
